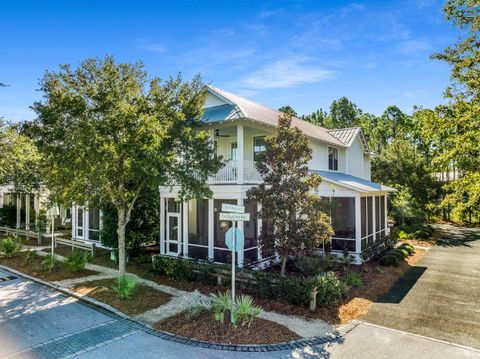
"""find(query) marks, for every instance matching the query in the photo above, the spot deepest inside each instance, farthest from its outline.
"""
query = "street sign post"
(234, 238)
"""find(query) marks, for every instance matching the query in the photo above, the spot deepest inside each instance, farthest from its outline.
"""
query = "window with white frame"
(259, 146)
(333, 159)
(233, 151)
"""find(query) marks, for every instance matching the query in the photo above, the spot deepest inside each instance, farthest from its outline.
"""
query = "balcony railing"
(230, 173)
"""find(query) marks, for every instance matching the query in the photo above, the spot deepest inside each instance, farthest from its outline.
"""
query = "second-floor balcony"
(238, 172)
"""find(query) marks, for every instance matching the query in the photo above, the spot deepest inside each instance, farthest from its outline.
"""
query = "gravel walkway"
(182, 300)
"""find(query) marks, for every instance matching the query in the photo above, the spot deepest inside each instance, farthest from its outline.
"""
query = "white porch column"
(1, 199)
(74, 221)
(259, 230)
(162, 225)
(185, 228)
(211, 235)
(374, 219)
(387, 229)
(358, 224)
(241, 226)
(240, 161)
(19, 204)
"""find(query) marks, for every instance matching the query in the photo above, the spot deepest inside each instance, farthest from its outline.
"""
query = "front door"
(173, 234)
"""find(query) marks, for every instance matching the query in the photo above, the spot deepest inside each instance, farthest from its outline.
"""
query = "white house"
(238, 127)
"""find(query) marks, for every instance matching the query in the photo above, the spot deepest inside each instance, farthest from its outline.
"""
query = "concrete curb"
(112, 312)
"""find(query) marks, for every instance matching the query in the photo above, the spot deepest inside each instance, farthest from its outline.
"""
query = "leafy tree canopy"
(289, 204)
(288, 110)
(107, 132)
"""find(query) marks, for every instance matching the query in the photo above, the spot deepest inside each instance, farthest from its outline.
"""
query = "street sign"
(234, 216)
(239, 239)
(226, 207)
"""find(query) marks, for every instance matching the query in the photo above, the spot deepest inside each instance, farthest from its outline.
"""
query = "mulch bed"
(205, 327)
(34, 269)
(144, 299)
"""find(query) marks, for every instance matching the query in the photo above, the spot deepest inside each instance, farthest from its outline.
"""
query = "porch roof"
(352, 182)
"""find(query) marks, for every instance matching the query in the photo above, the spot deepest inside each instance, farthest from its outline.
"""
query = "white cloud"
(285, 73)
(414, 46)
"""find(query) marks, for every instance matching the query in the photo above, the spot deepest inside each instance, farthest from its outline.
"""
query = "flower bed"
(34, 268)
(144, 298)
(205, 327)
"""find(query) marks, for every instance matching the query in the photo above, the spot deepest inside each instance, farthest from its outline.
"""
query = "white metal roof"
(355, 183)
(348, 135)
(260, 113)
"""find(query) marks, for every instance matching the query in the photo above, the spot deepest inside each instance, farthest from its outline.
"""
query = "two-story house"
(238, 127)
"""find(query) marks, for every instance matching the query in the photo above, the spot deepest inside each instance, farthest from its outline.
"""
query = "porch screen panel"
(377, 214)
(23, 213)
(93, 224)
(250, 232)
(370, 219)
(79, 222)
(382, 213)
(32, 213)
(198, 228)
(220, 252)
(343, 217)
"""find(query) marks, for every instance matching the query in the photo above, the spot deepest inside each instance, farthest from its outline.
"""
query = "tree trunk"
(121, 227)
(284, 264)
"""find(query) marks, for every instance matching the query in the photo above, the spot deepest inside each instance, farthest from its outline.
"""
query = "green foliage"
(289, 204)
(221, 304)
(408, 248)
(199, 305)
(330, 289)
(29, 256)
(396, 253)
(8, 216)
(77, 260)
(352, 279)
(314, 265)
(125, 287)
(389, 260)
(10, 246)
(126, 133)
(19, 159)
(404, 252)
(288, 110)
(245, 311)
(49, 263)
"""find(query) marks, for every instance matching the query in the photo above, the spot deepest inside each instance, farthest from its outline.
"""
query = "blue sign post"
(234, 238)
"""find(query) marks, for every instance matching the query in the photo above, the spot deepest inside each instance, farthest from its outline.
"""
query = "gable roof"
(239, 107)
(348, 135)
(355, 183)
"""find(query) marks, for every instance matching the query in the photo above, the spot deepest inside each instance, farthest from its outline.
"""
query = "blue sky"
(301, 53)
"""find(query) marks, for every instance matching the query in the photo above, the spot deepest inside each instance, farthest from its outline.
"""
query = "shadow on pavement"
(401, 288)
(456, 240)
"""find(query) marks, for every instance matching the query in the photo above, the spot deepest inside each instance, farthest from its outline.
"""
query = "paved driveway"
(440, 296)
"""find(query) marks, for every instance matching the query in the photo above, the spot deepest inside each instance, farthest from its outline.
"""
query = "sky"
(299, 53)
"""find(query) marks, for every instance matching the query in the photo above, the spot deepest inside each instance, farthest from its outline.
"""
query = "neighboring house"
(238, 127)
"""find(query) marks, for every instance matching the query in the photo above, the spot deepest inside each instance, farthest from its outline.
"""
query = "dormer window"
(333, 159)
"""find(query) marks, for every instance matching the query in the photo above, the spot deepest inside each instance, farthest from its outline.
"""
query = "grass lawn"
(144, 299)
(34, 269)
(205, 327)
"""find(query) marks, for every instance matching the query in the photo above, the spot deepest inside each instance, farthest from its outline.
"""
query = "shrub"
(221, 303)
(77, 260)
(329, 289)
(396, 253)
(10, 246)
(389, 260)
(295, 290)
(314, 265)
(199, 304)
(407, 247)
(352, 279)
(49, 262)
(29, 256)
(404, 252)
(245, 311)
(125, 287)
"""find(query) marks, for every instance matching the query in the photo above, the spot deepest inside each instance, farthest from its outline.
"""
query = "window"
(333, 159)
(233, 151)
(94, 224)
(259, 146)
